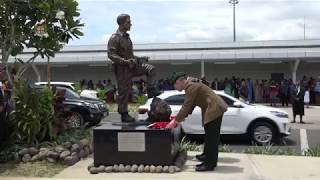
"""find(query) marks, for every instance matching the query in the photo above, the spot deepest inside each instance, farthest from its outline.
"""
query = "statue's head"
(124, 22)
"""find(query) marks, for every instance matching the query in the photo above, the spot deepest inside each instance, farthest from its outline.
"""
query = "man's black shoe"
(201, 157)
(202, 154)
(125, 117)
(198, 165)
(204, 167)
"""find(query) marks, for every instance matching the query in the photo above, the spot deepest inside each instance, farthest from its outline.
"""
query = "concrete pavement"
(311, 118)
(231, 166)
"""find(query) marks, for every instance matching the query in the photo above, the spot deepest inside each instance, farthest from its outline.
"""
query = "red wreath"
(161, 124)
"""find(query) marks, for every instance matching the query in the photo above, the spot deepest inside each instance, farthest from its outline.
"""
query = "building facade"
(256, 59)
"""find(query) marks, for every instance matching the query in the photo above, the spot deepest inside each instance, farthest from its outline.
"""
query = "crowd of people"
(106, 85)
(138, 88)
(265, 91)
(252, 91)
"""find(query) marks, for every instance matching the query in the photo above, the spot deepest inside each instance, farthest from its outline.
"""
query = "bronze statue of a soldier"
(127, 66)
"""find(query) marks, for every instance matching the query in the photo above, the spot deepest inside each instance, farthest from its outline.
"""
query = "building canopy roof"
(184, 52)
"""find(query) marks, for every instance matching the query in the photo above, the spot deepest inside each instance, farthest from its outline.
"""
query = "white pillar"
(35, 69)
(202, 68)
(294, 68)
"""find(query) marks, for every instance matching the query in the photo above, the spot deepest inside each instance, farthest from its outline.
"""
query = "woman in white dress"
(307, 98)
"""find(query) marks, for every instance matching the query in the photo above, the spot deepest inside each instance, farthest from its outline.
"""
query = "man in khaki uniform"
(212, 107)
(127, 66)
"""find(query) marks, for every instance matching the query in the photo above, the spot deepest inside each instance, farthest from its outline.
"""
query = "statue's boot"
(125, 117)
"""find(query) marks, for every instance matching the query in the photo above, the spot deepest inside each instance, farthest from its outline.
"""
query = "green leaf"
(77, 32)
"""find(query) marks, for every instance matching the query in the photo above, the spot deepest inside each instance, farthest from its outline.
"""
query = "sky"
(176, 21)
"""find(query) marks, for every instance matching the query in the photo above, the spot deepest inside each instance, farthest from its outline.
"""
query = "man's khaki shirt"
(120, 48)
(198, 94)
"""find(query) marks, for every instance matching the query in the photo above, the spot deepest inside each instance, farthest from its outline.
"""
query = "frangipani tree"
(45, 25)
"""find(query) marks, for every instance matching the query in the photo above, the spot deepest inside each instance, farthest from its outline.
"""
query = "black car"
(83, 110)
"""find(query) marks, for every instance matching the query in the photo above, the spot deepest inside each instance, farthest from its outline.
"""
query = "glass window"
(69, 93)
(175, 100)
(179, 99)
(227, 100)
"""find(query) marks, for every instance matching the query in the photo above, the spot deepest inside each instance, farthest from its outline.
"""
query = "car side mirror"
(237, 104)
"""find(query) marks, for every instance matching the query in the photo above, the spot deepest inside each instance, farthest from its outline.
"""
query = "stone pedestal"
(116, 144)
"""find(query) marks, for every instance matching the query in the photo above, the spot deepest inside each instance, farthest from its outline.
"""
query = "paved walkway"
(312, 117)
(231, 166)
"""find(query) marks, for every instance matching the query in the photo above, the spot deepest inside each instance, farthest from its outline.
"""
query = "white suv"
(261, 123)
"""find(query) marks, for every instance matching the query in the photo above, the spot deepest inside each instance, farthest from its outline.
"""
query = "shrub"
(102, 94)
(141, 99)
(34, 114)
(77, 88)
(73, 135)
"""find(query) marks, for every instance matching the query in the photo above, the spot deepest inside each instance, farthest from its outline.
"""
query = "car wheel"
(75, 120)
(262, 133)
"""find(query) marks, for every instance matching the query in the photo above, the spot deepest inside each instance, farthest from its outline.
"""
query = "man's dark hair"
(122, 18)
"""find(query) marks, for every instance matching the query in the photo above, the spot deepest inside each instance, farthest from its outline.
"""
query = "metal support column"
(294, 68)
(202, 68)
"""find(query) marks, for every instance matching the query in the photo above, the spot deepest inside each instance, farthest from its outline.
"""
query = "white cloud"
(104, 39)
(194, 34)
(202, 20)
(145, 38)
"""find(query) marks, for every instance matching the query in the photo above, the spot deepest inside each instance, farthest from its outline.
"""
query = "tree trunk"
(5, 58)
(48, 72)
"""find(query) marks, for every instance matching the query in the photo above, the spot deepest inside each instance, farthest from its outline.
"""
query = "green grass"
(270, 150)
(189, 146)
(35, 169)
(314, 151)
(225, 148)
(73, 135)
(186, 145)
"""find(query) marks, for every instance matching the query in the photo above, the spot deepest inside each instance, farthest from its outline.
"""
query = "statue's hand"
(144, 59)
(132, 63)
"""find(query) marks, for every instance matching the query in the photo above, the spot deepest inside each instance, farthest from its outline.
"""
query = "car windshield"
(230, 99)
(70, 94)
(244, 101)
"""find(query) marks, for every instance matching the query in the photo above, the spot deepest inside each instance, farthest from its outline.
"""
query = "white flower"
(60, 15)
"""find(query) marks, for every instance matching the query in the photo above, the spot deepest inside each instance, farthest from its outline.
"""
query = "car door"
(231, 120)
(193, 123)
(175, 102)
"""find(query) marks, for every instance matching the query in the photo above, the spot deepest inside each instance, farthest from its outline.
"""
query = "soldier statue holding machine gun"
(126, 66)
